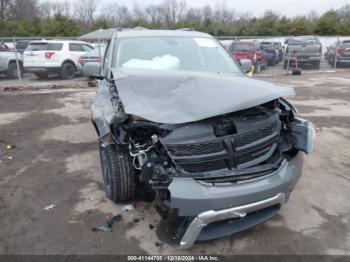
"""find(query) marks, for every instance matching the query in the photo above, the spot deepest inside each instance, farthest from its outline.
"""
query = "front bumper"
(191, 197)
(222, 210)
(208, 217)
(304, 59)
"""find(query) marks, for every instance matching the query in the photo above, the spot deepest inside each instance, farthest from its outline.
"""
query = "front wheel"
(68, 70)
(13, 71)
(118, 172)
(317, 65)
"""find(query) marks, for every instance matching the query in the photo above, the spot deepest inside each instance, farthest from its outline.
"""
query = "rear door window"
(87, 48)
(42, 46)
(76, 48)
(345, 44)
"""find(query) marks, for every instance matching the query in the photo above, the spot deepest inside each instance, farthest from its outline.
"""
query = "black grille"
(195, 149)
(250, 137)
(250, 156)
(204, 166)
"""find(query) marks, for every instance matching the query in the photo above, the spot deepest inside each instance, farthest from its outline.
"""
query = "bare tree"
(194, 15)
(138, 13)
(4, 5)
(22, 9)
(224, 14)
(118, 16)
(174, 11)
(154, 13)
(85, 10)
(50, 9)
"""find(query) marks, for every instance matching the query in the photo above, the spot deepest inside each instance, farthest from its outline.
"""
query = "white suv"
(54, 57)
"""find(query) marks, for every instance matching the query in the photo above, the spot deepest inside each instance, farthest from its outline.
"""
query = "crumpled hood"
(176, 97)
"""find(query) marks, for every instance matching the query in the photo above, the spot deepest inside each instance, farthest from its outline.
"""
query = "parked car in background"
(272, 53)
(250, 50)
(95, 55)
(305, 50)
(280, 50)
(339, 53)
(174, 113)
(8, 62)
(54, 57)
(21, 46)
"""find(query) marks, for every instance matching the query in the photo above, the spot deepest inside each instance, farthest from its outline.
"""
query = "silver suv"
(175, 113)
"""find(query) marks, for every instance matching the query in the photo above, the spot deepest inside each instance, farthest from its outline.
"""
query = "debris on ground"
(151, 226)
(162, 213)
(49, 207)
(107, 227)
(136, 220)
(10, 146)
(127, 207)
(158, 244)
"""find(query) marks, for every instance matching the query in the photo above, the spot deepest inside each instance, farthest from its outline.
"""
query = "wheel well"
(96, 128)
(69, 61)
(14, 62)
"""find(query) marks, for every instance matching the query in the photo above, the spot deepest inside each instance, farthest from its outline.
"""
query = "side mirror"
(247, 65)
(93, 70)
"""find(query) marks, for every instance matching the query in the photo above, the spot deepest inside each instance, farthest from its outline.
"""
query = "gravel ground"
(55, 163)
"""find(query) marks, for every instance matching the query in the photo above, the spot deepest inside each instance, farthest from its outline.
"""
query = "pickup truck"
(303, 50)
(8, 64)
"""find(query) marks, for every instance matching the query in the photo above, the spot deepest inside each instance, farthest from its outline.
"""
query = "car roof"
(161, 33)
(58, 41)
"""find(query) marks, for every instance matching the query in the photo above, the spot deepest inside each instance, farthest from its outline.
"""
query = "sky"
(256, 7)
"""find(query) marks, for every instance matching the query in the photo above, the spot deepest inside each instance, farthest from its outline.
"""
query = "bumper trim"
(211, 216)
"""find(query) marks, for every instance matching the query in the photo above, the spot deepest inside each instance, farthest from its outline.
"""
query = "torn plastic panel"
(176, 97)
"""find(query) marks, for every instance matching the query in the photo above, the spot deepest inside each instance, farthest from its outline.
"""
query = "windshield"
(302, 41)
(345, 44)
(267, 44)
(243, 47)
(174, 53)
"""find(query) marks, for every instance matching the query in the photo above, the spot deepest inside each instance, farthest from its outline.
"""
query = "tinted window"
(3, 46)
(22, 45)
(76, 48)
(42, 46)
(267, 44)
(243, 47)
(96, 51)
(345, 44)
(87, 48)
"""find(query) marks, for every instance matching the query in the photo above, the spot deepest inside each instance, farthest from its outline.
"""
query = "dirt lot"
(55, 162)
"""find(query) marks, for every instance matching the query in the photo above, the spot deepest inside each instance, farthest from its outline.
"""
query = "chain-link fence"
(39, 59)
(30, 59)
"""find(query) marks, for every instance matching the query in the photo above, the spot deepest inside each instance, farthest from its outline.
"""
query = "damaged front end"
(225, 173)
(226, 160)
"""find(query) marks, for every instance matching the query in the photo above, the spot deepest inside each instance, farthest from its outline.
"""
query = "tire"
(68, 70)
(41, 75)
(317, 65)
(12, 70)
(118, 173)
